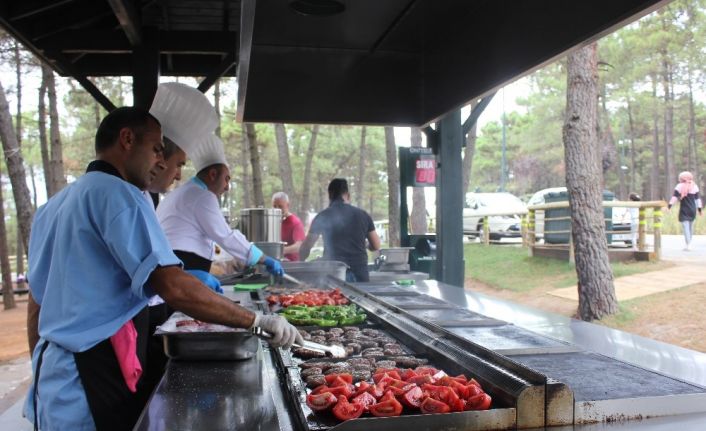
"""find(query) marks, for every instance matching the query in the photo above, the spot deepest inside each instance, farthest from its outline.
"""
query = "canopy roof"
(403, 62)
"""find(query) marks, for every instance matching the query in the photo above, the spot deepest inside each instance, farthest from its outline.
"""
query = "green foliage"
(509, 267)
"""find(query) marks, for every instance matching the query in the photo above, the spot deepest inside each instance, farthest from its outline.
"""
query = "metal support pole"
(146, 68)
(449, 200)
(486, 231)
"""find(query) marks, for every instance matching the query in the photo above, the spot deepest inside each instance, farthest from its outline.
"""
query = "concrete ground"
(15, 374)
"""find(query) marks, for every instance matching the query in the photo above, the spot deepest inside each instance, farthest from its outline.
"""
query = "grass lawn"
(509, 267)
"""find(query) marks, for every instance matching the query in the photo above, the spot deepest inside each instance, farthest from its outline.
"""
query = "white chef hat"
(185, 113)
(207, 152)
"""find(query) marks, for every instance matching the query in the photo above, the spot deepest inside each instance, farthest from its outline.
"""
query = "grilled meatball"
(393, 352)
(305, 335)
(350, 351)
(356, 348)
(313, 364)
(337, 370)
(337, 332)
(355, 362)
(351, 329)
(386, 364)
(366, 344)
(339, 340)
(318, 339)
(371, 332)
(315, 380)
(310, 372)
(307, 354)
(373, 353)
(409, 361)
(361, 375)
(391, 346)
(318, 332)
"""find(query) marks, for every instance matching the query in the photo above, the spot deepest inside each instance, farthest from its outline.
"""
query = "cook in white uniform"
(192, 220)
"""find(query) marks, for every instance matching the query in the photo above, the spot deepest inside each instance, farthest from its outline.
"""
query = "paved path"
(688, 271)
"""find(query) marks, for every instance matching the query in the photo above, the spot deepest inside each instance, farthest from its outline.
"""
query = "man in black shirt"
(345, 229)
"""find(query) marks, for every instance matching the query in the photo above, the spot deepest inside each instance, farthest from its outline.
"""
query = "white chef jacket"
(192, 221)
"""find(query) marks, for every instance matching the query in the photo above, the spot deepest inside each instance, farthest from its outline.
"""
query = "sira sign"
(417, 167)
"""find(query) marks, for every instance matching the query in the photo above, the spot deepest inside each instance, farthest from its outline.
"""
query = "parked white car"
(478, 206)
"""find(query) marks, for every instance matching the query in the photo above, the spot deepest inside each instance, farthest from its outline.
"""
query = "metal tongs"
(292, 279)
(333, 351)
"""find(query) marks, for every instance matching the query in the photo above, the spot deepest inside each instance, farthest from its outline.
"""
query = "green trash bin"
(565, 225)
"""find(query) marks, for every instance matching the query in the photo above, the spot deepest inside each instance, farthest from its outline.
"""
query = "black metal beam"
(170, 42)
(66, 65)
(146, 68)
(30, 8)
(129, 20)
(227, 63)
(75, 18)
(475, 113)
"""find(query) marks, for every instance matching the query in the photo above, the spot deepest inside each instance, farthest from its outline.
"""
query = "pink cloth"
(125, 345)
(685, 188)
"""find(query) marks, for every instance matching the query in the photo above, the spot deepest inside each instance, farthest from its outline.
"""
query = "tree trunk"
(15, 167)
(418, 218)
(633, 163)
(285, 165)
(655, 186)
(42, 125)
(56, 162)
(245, 156)
(669, 169)
(693, 146)
(361, 169)
(584, 182)
(393, 188)
(259, 200)
(8, 297)
(217, 104)
(306, 193)
(19, 265)
(611, 155)
(34, 187)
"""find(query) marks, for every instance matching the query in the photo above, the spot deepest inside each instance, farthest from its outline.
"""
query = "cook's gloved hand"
(283, 333)
(273, 266)
(207, 278)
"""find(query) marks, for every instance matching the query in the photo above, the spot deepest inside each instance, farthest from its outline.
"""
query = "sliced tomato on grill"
(376, 391)
(381, 372)
(446, 395)
(339, 379)
(399, 387)
(407, 374)
(390, 407)
(413, 398)
(344, 410)
(346, 390)
(479, 402)
(365, 399)
(432, 406)
(473, 390)
(361, 387)
(421, 379)
(321, 402)
(422, 370)
(474, 382)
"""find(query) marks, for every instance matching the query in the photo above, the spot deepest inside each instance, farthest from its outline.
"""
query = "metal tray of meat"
(205, 342)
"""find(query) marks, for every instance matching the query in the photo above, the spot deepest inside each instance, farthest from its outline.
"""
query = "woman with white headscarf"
(687, 193)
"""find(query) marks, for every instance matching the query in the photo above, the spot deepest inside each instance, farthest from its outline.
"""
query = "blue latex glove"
(274, 267)
(207, 278)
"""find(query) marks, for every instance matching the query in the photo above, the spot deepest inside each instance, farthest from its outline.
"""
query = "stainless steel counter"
(217, 396)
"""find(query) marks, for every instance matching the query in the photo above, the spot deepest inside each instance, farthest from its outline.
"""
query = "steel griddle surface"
(508, 338)
(594, 377)
(387, 290)
(415, 302)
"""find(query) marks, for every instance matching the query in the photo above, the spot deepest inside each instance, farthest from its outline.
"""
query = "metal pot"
(261, 224)
(272, 249)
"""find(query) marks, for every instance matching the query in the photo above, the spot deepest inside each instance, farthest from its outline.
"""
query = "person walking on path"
(687, 193)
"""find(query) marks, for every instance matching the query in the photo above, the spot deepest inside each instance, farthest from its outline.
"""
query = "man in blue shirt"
(96, 255)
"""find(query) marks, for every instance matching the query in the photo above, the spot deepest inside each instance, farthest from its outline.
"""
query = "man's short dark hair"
(128, 116)
(337, 188)
(170, 148)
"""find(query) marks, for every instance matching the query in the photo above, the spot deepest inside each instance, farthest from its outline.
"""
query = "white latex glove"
(283, 333)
